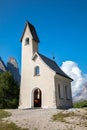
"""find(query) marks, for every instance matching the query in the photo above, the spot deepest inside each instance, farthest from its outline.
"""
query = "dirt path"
(40, 119)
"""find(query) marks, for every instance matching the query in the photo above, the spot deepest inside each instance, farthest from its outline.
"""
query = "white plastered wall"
(45, 82)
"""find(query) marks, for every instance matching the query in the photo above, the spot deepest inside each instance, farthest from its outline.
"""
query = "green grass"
(9, 126)
(4, 114)
(6, 125)
(61, 116)
(80, 104)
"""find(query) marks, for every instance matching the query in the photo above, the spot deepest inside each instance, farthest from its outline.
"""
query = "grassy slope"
(80, 104)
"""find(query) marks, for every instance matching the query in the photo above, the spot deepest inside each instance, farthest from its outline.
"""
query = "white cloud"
(82, 95)
(80, 79)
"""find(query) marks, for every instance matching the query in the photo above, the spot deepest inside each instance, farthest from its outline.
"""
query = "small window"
(60, 91)
(26, 41)
(37, 70)
(67, 92)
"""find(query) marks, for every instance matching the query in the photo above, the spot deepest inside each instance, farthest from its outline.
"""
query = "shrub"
(9, 91)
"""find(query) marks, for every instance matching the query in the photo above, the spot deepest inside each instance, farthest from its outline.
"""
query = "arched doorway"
(37, 97)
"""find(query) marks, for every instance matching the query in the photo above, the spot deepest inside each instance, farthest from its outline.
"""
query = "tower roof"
(33, 32)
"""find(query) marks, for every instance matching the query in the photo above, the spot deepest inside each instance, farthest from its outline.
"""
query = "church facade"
(43, 83)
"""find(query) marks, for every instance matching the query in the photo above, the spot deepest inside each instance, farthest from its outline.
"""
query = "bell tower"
(29, 42)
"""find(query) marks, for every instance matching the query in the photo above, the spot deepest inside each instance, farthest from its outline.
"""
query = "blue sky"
(60, 24)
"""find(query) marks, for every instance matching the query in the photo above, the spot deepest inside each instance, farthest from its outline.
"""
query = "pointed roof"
(52, 64)
(33, 32)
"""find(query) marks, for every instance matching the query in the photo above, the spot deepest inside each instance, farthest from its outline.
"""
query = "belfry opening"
(37, 97)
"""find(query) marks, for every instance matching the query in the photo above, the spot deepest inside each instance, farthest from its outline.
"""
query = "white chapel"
(43, 83)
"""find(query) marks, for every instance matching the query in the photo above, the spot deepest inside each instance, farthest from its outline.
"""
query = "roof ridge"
(53, 65)
(48, 58)
(27, 22)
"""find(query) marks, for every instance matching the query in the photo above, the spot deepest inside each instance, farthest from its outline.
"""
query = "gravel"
(41, 119)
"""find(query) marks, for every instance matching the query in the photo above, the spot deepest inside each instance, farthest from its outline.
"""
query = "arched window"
(37, 70)
(27, 41)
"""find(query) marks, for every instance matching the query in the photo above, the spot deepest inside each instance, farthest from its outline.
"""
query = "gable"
(35, 56)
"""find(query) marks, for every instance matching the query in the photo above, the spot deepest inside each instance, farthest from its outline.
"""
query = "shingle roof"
(52, 64)
(33, 32)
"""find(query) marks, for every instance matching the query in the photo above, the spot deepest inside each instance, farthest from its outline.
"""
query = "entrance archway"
(37, 97)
